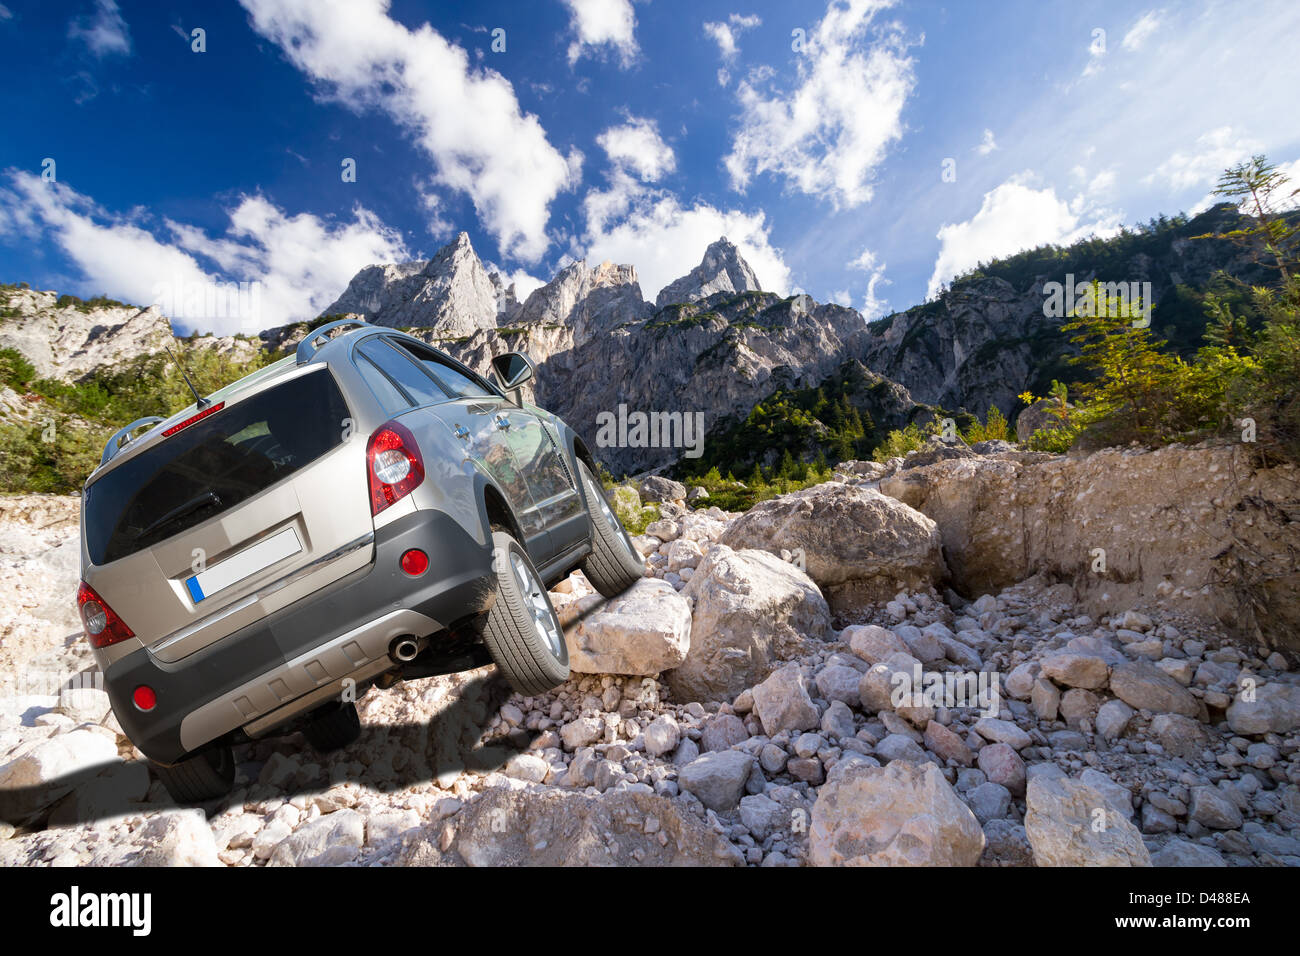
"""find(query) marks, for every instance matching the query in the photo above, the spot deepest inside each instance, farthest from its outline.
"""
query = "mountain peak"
(587, 299)
(451, 293)
(722, 269)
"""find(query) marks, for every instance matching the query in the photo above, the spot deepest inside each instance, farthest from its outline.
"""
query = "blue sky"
(609, 129)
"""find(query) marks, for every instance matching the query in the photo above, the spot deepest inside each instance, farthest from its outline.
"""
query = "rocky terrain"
(64, 342)
(742, 704)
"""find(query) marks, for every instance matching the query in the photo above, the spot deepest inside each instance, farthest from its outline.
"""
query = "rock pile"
(719, 714)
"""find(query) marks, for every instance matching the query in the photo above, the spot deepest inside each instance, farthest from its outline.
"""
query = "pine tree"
(1134, 378)
(785, 468)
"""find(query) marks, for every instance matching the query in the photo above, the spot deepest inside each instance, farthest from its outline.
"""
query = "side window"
(407, 375)
(382, 386)
(452, 378)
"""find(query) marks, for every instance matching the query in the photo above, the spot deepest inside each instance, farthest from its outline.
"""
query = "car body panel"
(279, 639)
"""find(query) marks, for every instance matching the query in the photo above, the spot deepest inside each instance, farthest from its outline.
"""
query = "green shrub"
(994, 428)
(15, 370)
(54, 456)
(899, 442)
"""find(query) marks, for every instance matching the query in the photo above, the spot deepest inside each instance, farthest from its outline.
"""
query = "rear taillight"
(393, 465)
(102, 626)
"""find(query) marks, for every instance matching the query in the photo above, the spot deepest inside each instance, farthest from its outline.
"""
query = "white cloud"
(842, 297)
(1013, 216)
(1214, 152)
(1103, 182)
(602, 23)
(5, 13)
(441, 227)
(104, 32)
(867, 261)
(632, 221)
(602, 206)
(637, 147)
(987, 144)
(873, 306)
(1287, 199)
(301, 262)
(466, 119)
(1142, 30)
(828, 135)
(725, 34)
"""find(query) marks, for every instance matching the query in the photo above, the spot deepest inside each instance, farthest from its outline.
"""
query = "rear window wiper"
(194, 504)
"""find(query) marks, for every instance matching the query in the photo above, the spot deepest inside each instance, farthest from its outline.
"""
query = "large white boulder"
(643, 631)
(753, 611)
(858, 545)
(1072, 823)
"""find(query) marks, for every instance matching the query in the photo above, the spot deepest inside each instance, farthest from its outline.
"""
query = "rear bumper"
(343, 629)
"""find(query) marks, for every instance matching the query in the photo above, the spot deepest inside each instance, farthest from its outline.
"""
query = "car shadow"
(385, 757)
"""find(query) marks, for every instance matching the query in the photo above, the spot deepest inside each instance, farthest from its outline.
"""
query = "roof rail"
(308, 347)
(123, 437)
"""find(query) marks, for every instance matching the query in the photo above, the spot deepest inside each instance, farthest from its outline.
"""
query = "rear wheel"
(205, 776)
(333, 727)
(522, 633)
(614, 565)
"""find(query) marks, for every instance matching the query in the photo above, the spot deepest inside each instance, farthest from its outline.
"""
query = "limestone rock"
(645, 630)
(899, 815)
(1070, 823)
(753, 611)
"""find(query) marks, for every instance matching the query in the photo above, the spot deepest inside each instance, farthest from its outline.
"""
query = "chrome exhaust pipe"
(403, 650)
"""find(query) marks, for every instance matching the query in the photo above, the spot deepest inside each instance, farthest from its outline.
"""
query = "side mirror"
(513, 370)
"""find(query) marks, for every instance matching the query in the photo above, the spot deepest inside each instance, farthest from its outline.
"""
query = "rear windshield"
(213, 465)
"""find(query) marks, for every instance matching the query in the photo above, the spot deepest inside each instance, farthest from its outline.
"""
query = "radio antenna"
(199, 400)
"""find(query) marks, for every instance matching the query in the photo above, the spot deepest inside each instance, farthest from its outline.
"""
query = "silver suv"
(365, 511)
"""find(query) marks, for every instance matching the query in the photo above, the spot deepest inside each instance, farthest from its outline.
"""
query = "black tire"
(333, 727)
(532, 656)
(204, 776)
(613, 565)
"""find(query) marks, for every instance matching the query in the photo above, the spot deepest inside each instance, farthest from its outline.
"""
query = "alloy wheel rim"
(539, 609)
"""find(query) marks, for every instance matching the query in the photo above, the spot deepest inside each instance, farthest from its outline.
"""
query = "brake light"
(101, 625)
(394, 466)
(144, 698)
(415, 562)
(186, 423)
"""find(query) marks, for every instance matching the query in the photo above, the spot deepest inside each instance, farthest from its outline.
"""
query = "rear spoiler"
(318, 337)
(123, 436)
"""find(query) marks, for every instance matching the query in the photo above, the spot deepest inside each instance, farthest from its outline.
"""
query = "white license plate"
(235, 568)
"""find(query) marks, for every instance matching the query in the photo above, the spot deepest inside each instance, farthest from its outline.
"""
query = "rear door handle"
(503, 422)
(461, 432)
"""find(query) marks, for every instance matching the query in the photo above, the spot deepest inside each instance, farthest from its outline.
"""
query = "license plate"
(248, 562)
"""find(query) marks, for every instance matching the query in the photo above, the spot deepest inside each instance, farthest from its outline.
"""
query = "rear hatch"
(257, 503)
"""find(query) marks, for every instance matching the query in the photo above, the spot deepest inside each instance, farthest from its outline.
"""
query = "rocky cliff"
(721, 270)
(718, 356)
(65, 338)
(714, 343)
(718, 348)
(986, 339)
(451, 293)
